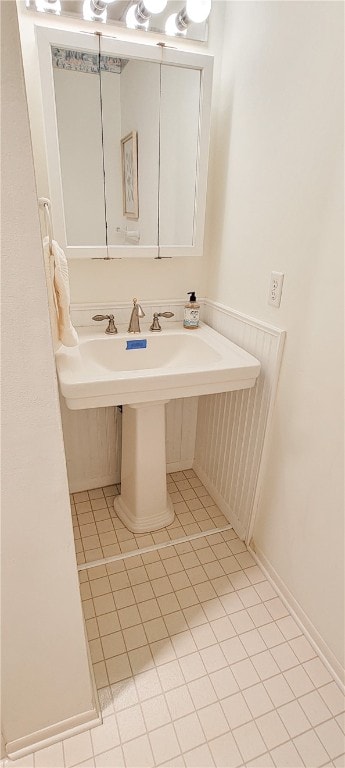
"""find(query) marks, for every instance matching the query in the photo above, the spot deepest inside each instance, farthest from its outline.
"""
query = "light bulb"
(132, 21)
(91, 14)
(47, 5)
(171, 28)
(155, 6)
(198, 10)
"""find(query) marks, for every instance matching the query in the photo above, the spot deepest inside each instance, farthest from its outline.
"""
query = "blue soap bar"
(137, 344)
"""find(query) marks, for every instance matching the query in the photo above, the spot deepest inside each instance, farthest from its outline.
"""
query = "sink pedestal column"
(144, 504)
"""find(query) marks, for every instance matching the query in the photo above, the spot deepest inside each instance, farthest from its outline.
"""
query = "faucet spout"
(137, 312)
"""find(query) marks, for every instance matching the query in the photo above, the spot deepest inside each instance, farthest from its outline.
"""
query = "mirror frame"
(48, 36)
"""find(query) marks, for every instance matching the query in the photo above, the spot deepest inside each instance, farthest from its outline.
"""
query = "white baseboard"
(179, 466)
(57, 732)
(89, 485)
(102, 482)
(309, 630)
(221, 503)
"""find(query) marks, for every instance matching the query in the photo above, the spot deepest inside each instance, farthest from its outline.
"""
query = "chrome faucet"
(111, 327)
(137, 312)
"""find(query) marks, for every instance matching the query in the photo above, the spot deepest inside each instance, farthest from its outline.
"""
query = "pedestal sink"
(144, 504)
(105, 371)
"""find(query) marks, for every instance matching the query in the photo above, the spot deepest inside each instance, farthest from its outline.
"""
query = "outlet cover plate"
(276, 286)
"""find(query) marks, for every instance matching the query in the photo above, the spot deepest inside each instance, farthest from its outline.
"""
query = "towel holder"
(45, 204)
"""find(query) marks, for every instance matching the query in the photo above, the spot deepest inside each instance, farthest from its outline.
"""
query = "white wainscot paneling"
(181, 417)
(233, 427)
(93, 442)
(82, 314)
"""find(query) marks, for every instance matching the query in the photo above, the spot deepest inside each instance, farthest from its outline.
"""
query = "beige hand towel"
(67, 334)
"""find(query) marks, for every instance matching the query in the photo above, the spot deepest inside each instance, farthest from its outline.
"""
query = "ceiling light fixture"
(195, 11)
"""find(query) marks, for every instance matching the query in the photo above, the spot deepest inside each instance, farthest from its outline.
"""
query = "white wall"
(276, 203)
(43, 642)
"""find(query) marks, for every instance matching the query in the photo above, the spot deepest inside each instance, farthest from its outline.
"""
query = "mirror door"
(179, 137)
(130, 102)
(76, 75)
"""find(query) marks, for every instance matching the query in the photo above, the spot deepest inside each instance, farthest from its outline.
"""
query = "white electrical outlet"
(276, 286)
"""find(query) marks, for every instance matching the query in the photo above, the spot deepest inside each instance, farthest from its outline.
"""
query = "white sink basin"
(176, 362)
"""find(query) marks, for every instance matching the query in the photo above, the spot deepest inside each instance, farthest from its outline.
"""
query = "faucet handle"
(155, 322)
(111, 327)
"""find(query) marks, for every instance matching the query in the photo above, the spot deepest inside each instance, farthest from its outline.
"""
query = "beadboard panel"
(233, 427)
(92, 440)
(181, 418)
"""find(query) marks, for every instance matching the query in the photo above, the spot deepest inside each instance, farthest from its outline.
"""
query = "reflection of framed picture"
(129, 156)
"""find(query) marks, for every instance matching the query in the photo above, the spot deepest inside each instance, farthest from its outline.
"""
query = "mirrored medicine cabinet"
(127, 135)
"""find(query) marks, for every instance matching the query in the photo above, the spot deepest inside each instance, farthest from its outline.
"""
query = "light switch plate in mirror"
(116, 15)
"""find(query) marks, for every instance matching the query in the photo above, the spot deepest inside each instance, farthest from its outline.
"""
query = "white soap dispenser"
(191, 312)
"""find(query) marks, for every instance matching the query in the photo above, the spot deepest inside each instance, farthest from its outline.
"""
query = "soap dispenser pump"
(191, 312)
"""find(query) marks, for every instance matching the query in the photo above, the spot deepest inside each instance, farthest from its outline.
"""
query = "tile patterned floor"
(198, 663)
(99, 533)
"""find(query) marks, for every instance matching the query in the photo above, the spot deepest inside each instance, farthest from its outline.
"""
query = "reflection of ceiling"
(86, 61)
(117, 14)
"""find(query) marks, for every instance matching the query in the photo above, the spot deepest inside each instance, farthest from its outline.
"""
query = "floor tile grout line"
(189, 487)
(152, 548)
(219, 642)
(82, 538)
(197, 710)
(220, 701)
(239, 635)
(299, 663)
(297, 697)
(261, 681)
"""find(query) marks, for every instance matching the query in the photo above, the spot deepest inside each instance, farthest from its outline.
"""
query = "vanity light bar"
(139, 14)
